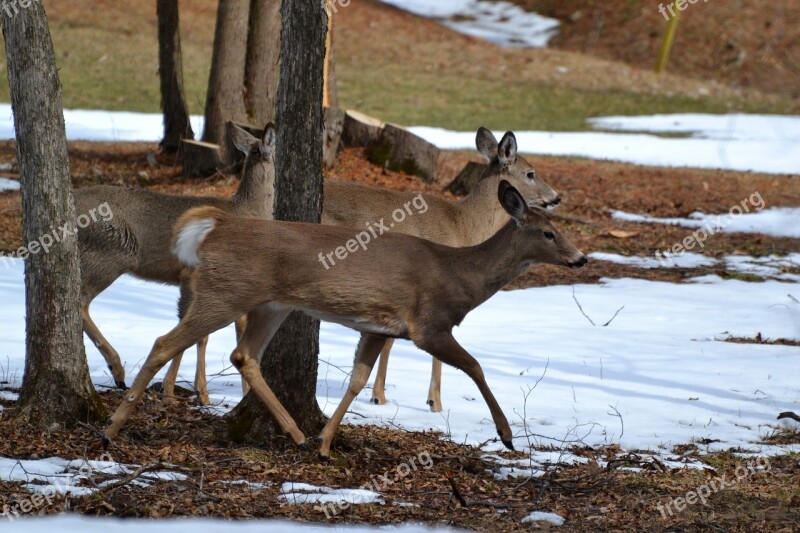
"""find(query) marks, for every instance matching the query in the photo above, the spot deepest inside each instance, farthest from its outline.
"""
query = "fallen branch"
(789, 414)
(130, 477)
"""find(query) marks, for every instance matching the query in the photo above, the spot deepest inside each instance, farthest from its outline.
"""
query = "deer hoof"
(106, 443)
(121, 385)
(508, 444)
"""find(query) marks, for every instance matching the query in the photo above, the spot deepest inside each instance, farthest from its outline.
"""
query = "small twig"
(568, 218)
(127, 479)
(621, 422)
(456, 492)
(613, 317)
(581, 308)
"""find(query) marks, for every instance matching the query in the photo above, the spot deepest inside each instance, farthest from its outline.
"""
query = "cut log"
(200, 159)
(360, 129)
(466, 180)
(399, 149)
(333, 121)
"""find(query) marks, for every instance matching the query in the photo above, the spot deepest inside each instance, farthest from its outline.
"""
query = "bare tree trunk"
(330, 97)
(56, 389)
(290, 362)
(225, 96)
(170, 70)
(263, 60)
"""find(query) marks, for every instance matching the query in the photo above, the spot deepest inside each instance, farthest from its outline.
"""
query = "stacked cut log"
(391, 146)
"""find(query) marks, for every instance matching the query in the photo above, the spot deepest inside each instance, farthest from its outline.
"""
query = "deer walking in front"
(458, 224)
(269, 268)
(136, 238)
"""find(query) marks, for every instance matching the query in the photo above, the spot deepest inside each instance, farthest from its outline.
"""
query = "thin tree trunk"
(330, 97)
(263, 60)
(225, 96)
(177, 125)
(56, 389)
(290, 362)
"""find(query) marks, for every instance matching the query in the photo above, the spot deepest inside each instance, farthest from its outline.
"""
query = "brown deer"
(269, 268)
(136, 238)
(459, 224)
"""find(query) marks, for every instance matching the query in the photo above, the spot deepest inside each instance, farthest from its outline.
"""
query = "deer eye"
(531, 174)
(549, 235)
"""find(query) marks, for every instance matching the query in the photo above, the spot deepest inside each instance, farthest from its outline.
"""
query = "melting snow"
(502, 23)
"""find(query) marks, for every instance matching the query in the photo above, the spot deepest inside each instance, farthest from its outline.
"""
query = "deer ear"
(240, 138)
(486, 143)
(512, 201)
(507, 149)
(268, 140)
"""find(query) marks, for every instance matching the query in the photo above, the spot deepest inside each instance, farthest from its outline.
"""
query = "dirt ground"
(747, 43)
(613, 491)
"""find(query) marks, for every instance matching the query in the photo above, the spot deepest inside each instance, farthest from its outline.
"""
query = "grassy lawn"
(108, 60)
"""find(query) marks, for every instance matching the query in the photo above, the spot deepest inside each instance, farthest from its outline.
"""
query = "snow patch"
(775, 222)
(501, 23)
(7, 184)
(304, 493)
(541, 516)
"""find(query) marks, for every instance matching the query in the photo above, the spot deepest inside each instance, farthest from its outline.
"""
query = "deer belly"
(391, 327)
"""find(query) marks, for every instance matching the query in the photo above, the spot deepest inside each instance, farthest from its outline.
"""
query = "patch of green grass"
(450, 102)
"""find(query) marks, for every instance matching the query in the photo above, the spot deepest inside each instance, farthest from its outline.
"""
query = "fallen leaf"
(622, 234)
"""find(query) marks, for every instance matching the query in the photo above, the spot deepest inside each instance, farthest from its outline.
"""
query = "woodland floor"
(623, 494)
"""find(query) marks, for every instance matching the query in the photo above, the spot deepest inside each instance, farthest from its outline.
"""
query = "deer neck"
(488, 267)
(255, 190)
(480, 214)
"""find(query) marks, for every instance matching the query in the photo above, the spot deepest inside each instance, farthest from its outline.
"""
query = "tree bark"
(56, 388)
(263, 60)
(330, 97)
(225, 96)
(177, 125)
(290, 362)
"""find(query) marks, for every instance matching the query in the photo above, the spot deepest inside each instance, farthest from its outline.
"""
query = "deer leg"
(262, 324)
(200, 383)
(103, 346)
(435, 389)
(190, 330)
(445, 348)
(168, 386)
(367, 353)
(379, 389)
(241, 325)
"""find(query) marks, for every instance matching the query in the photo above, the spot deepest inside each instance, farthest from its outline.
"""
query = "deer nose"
(580, 263)
(556, 201)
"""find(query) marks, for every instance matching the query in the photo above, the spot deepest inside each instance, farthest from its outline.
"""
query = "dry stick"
(465, 503)
(456, 492)
(567, 218)
(581, 308)
(127, 479)
(613, 317)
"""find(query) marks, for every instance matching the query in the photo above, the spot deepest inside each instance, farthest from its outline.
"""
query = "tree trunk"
(290, 362)
(263, 60)
(177, 125)
(56, 389)
(330, 97)
(225, 96)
